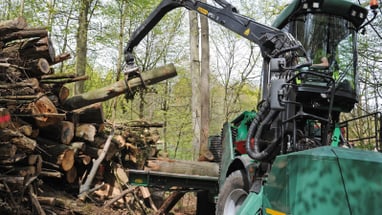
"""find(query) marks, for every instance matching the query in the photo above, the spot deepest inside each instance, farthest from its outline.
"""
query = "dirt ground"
(67, 203)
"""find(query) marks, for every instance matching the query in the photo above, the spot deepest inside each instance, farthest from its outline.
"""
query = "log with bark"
(148, 78)
(184, 167)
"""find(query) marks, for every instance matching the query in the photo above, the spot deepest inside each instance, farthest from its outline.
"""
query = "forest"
(218, 72)
(235, 63)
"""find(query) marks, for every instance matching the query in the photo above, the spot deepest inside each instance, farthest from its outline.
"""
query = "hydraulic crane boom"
(272, 41)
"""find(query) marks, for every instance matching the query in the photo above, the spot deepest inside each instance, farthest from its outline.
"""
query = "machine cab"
(329, 37)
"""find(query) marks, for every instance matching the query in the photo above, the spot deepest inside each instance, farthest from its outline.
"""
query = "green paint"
(325, 180)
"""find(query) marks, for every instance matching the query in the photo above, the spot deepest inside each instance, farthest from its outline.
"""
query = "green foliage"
(234, 62)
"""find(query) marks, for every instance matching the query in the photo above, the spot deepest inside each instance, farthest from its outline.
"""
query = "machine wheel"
(233, 193)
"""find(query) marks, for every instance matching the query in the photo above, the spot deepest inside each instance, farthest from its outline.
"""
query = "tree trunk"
(195, 78)
(82, 39)
(205, 89)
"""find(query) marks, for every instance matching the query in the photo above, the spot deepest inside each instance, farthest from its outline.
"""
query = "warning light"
(373, 4)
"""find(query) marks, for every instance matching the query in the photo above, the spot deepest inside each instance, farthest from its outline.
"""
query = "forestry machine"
(290, 156)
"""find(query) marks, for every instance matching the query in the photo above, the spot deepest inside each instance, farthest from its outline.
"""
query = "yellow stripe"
(202, 11)
(247, 31)
(273, 212)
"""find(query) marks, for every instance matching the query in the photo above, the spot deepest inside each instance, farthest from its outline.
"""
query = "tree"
(195, 79)
(85, 10)
(204, 87)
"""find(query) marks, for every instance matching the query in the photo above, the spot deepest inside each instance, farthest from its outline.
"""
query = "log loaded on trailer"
(290, 157)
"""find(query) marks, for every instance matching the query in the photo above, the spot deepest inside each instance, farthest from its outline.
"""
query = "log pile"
(45, 133)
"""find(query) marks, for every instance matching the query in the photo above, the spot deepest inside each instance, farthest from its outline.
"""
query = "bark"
(60, 154)
(18, 139)
(39, 67)
(35, 202)
(12, 25)
(120, 87)
(63, 132)
(63, 94)
(71, 175)
(82, 38)
(195, 78)
(89, 114)
(29, 50)
(7, 151)
(185, 167)
(61, 58)
(27, 33)
(205, 89)
(32, 83)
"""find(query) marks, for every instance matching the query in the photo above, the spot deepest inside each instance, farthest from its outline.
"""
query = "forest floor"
(67, 203)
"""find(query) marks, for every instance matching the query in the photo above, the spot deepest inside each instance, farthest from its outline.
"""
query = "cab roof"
(342, 8)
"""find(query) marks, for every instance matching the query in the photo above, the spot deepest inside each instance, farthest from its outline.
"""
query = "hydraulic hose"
(264, 117)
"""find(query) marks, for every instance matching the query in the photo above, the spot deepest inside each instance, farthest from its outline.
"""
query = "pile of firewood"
(44, 133)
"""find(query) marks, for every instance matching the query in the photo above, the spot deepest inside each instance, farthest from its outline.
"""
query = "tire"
(233, 193)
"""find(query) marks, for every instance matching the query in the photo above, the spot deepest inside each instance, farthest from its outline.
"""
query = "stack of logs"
(44, 133)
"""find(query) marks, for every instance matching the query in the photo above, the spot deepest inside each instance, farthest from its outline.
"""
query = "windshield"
(330, 43)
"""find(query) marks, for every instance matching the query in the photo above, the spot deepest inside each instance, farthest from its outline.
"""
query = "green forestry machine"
(291, 155)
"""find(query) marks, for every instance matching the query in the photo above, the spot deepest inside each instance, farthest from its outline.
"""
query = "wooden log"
(60, 154)
(123, 193)
(21, 141)
(61, 58)
(71, 175)
(16, 158)
(86, 132)
(38, 67)
(17, 181)
(64, 80)
(63, 94)
(43, 48)
(35, 202)
(51, 173)
(84, 188)
(58, 76)
(25, 33)
(7, 151)
(63, 132)
(24, 127)
(12, 25)
(36, 161)
(45, 112)
(94, 149)
(26, 50)
(26, 171)
(5, 118)
(185, 167)
(89, 114)
(32, 83)
(51, 201)
(120, 87)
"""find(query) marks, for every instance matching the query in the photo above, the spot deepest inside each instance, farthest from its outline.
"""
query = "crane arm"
(272, 41)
